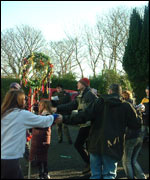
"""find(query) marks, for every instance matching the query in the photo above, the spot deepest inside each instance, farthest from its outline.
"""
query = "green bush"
(67, 83)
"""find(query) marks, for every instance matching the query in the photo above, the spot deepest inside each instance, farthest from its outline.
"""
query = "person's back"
(14, 123)
(109, 117)
(110, 123)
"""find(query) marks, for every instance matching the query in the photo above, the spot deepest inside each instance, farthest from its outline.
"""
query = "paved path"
(62, 167)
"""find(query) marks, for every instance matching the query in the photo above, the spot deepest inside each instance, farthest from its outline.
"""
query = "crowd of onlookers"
(112, 128)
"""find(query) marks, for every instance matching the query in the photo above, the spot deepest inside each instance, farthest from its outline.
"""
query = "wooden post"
(29, 169)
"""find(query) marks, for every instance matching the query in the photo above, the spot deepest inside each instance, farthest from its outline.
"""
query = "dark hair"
(116, 88)
(59, 85)
(147, 87)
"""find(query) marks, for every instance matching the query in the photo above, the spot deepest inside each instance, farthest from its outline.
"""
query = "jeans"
(129, 160)
(102, 167)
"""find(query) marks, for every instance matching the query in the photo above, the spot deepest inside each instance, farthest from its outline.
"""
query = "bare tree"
(78, 55)
(94, 44)
(115, 30)
(61, 53)
(17, 43)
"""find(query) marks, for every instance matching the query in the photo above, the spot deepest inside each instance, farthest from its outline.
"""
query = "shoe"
(41, 176)
(86, 169)
(46, 176)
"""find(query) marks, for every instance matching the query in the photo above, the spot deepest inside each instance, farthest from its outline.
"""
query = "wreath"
(36, 71)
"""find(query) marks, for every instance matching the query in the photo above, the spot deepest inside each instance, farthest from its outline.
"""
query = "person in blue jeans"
(109, 115)
(129, 161)
(132, 147)
(108, 166)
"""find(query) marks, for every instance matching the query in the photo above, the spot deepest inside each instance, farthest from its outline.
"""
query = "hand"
(59, 119)
(54, 109)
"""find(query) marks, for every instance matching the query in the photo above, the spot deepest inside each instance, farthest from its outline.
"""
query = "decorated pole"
(29, 169)
(36, 73)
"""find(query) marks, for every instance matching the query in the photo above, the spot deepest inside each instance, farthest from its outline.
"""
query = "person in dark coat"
(62, 97)
(132, 147)
(109, 117)
(85, 97)
(41, 138)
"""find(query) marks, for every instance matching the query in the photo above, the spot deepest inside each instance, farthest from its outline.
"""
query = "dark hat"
(85, 81)
(15, 85)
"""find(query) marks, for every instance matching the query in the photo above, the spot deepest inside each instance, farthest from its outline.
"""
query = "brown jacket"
(40, 142)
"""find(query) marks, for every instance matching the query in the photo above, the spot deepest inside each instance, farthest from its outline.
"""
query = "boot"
(46, 175)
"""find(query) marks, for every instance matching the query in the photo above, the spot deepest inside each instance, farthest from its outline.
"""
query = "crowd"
(112, 128)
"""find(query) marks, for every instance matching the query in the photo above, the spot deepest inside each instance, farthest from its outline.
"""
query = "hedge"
(67, 83)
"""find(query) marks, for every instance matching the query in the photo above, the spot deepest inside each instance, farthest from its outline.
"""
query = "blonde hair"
(46, 105)
(13, 99)
(128, 93)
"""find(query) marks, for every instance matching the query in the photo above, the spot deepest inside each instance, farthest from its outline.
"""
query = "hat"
(15, 85)
(85, 81)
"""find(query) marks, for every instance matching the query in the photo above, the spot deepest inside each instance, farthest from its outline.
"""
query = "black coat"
(64, 98)
(110, 116)
(80, 102)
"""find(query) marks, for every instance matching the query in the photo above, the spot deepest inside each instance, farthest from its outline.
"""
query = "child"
(40, 142)
(14, 123)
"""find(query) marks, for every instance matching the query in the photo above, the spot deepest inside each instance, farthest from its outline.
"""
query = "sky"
(54, 18)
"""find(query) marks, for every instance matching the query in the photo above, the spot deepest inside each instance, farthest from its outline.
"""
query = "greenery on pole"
(136, 56)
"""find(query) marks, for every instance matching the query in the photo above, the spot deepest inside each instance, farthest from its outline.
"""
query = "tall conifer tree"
(136, 56)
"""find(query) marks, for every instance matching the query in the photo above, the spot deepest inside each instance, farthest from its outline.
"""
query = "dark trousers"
(80, 141)
(60, 128)
(11, 169)
(43, 167)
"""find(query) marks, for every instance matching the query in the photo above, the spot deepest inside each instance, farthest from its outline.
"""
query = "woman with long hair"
(132, 147)
(15, 120)
(41, 138)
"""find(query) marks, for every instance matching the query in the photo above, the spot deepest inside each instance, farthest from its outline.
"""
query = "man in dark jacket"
(109, 117)
(81, 101)
(60, 96)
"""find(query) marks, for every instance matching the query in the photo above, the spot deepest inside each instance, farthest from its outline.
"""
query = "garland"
(36, 73)
(36, 70)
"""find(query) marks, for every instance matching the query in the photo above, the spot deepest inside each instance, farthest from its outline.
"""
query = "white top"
(13, 131)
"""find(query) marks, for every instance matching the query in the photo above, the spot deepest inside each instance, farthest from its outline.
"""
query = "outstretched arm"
(88, 114)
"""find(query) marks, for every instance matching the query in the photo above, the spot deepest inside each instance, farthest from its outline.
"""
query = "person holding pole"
(15, 120)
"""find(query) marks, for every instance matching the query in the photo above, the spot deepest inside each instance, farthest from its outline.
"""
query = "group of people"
(112, 128)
